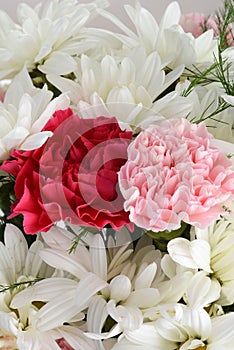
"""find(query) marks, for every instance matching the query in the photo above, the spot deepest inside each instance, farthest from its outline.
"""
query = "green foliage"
(162, 238)
(7, 198)
(5, 288)
(224, 21)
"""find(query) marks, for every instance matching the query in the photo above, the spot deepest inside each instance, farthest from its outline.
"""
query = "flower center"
(199, 347)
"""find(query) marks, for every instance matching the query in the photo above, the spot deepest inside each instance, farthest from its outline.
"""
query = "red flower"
(73, 176)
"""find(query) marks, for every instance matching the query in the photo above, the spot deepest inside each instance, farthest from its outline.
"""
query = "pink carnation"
(173, 175)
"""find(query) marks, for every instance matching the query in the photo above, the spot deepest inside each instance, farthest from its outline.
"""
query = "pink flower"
(197, 23)
(193, 23)
(173, 175)
(73, 176)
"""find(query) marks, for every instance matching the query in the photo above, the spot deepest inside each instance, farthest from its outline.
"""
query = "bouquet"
(116, 179)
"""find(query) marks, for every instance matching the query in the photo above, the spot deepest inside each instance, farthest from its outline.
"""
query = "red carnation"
(73, 176)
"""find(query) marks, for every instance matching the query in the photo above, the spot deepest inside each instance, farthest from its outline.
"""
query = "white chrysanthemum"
(24, 113)
(145, 337)
(192, 328)
(213, 252)
(46, 38)
(204, 107)
(179, 326)
(167, 38)
(128, 88)
(143, 283)
(19, 264)
(59, 300)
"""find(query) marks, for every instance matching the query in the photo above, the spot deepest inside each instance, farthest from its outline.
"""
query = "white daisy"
(24, 113)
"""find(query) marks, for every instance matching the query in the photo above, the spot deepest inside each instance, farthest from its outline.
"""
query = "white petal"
(25, 112)
(144, 298)
(98, 257)
(120, 288)
(14, 138)
(58, 63)
(33, 260)
(60, 102)
(71, 88)
(63, 261)
(171, 331)
(97, 314)
(87, 287)
(21, 84)
(76, 338)
(200, 253)
(179, 251)
(202, 290)
(8, 323)
(229, 99)
(198, 320)
(171, 15)
(145, 279)
(51, 315)
(17, 247)
(148, 337)
(7, 267)
(222, 332)
(117, 22)
(128, 317)
(44, 290)
(35, 141)
(168, 266)
(173, 290)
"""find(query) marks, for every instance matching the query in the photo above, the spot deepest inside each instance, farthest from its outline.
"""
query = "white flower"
(176, 326)
(18, 265)
(204, 104)
(213, 252)
(24, 113)
(167, 38)
(146, 337)
(46, 38)
(192, 328)
(143, 283)
(62, 300)
(128, 88)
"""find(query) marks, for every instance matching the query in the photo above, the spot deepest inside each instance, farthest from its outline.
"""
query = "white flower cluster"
(103, 72)
(119, 297)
